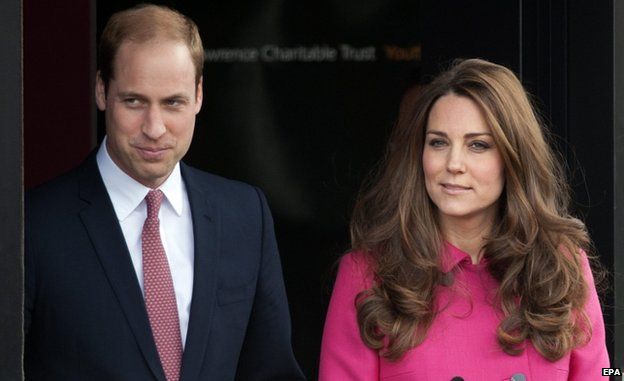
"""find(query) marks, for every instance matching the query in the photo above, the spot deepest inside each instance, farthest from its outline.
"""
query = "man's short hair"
(146, 22)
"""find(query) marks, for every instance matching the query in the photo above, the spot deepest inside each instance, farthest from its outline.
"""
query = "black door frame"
(11, 210)
(572, 59)
(618, 159)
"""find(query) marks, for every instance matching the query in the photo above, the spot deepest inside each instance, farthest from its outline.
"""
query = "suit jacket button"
(457, 378)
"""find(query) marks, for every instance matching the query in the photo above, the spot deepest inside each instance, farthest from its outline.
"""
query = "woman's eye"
(479, 145)
(437, 143)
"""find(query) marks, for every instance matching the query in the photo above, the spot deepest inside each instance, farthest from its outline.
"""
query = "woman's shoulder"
(358, 258)
(584, 261)
(356, 268)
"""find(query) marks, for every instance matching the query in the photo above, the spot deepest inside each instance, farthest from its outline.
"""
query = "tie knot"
(153, 199)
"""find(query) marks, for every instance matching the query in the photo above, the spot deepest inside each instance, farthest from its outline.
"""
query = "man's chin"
(152, 177)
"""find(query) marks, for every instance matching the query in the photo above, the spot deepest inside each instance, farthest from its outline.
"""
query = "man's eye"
(132, 101)
(174, 102)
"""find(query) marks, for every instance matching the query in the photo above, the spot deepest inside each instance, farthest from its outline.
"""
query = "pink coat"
(461, 341)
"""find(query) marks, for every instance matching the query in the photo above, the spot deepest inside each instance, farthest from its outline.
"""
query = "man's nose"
(154, 125)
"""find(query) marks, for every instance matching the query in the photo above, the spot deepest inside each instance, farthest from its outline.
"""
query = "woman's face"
(464, 171)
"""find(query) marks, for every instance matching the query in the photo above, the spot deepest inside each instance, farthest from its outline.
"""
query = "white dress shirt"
(176, 226)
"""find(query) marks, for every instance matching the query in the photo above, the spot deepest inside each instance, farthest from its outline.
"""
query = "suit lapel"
(103, 228)
(206, 225)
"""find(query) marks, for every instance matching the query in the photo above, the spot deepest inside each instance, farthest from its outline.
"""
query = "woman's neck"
(468, 235)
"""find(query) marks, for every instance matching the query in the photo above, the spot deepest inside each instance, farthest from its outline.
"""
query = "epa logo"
(611, 371)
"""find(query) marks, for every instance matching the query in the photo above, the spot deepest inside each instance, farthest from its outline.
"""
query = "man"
(139, 267)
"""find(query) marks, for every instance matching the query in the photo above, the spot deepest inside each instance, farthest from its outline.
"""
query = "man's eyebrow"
(468, 135)
(178, 96)
(130, 94)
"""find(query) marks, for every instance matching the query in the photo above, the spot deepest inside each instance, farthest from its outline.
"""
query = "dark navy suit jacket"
(85, 318)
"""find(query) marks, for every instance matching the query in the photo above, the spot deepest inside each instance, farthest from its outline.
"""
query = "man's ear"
(100, 92)
(199, 94)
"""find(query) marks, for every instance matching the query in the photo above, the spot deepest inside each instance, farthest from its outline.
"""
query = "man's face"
(150, 108)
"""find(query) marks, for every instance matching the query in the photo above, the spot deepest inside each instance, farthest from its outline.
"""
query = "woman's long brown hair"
(533, 252)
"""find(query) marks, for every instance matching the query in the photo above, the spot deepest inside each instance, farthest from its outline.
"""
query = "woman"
(466, 263)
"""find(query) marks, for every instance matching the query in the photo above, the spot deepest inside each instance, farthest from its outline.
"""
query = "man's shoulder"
(213, 183)
(62, 188)
(235, 199)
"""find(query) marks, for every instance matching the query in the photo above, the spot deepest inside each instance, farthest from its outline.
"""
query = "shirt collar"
(126, 193)
(174, 189)
(452, 257)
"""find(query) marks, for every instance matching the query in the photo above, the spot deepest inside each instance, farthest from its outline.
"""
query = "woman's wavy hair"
(533, 251)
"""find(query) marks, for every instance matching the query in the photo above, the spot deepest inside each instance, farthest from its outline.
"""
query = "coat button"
(457, 378)
(518, 377)
(447, 280)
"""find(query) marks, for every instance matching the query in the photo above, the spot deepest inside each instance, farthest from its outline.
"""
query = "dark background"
(308, 133)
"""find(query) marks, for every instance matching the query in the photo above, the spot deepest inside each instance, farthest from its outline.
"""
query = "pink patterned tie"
(160, 298)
